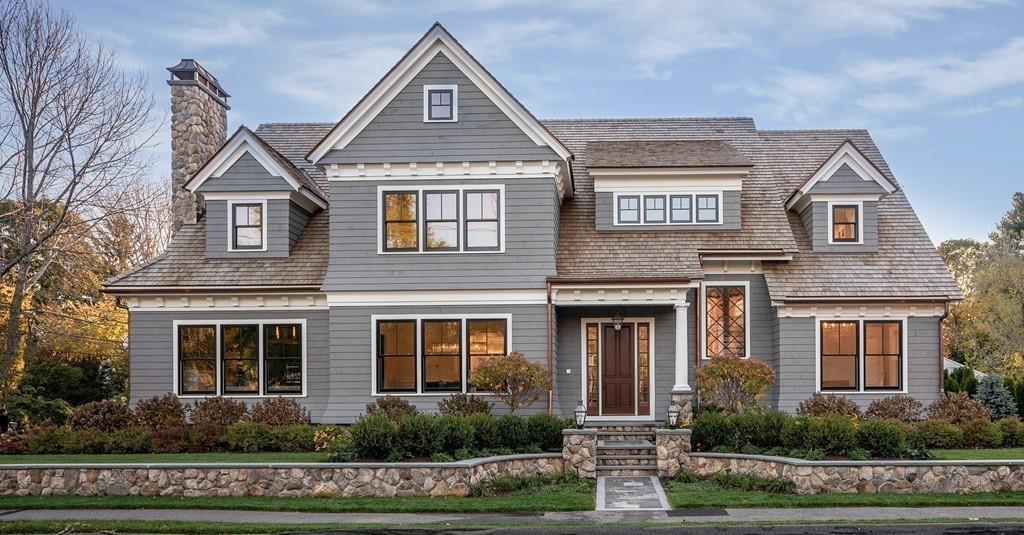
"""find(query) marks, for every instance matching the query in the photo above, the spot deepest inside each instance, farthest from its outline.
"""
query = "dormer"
(838, 203)
(667, 185)
(257, 202)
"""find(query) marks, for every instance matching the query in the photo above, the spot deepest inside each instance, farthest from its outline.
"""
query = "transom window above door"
(442, 220)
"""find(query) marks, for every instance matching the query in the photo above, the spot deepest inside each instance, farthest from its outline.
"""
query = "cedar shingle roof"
(654, 153)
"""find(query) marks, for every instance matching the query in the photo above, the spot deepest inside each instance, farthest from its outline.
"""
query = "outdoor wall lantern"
(581, 415)
(617, 320)
(673, 415)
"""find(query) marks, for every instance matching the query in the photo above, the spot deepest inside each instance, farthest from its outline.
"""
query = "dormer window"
(654, 209)
(707, 208)
(440, 103)
(845, 222)
(248, 233)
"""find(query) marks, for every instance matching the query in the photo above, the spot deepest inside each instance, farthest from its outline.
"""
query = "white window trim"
(702, 320)
(220, 323)
(636, 362)
(421, 216)
(418, 318)
(231, 224)
(668, 208)
(904, 368)
(454, 88)
(860, 222)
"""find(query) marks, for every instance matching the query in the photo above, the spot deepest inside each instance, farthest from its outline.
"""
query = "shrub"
(342, 451)
(513, 432)
(545, 430)
(295, 437)
(27, 409)
(106, 415)
(794, 433)
(204, 438)
(899, 407)
(279, 411)
(160, 412)
(485, 431)
(936, 434)
(834, 434)
(733, 383)
(391, 407)
(753, 483)
(441, 458)
(12, 444)
(981, 433)
(957, 408)
(250, 437)
(76, 383)
(46, 438)
(712, 429)
(373, 436)
(463, 405)
(807, 455)
(130, 440)
(325, 437)
(1016, 388)
(961, 380)
(1013, 432)
(995, 397)
(455, 433)
(883, 438)
(758, 427)
(418, 436)
(217, 411)
(513, 379)
(822, 404)
(169, 439)
(858, 454)
(85, 441)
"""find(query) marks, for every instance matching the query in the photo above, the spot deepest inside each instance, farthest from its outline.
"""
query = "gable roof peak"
(846, 154)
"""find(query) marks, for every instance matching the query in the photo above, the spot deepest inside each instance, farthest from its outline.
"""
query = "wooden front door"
(618, 380)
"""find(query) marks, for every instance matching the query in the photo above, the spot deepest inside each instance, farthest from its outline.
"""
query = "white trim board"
(436, 298)
(226, 302)
(650, 369)
(846, 154)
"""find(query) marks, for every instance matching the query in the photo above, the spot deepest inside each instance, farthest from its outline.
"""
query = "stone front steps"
(626, 451)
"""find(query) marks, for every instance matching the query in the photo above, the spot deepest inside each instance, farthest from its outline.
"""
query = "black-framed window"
(197, 359)
(240, 359)
(681, 209)
(440, 104)
(400, 221)
(654, 209)
(442, 355)
(441, 220)
(725, 321)
(396, 356)
(883, 355)
(629, 209)
(840, 355)
(282, 353)
(488, 339)
(845, 219)
(483, 219)
(707, 208)
(247, 226)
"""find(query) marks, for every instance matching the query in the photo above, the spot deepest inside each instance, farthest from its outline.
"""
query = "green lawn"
(168, 458)
(706, 494)
(997, 454)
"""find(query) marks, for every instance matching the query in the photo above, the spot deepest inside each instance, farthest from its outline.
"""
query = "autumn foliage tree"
(513, 379)
(733, 383)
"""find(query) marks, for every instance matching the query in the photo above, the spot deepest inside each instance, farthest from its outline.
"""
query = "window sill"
(239, 396)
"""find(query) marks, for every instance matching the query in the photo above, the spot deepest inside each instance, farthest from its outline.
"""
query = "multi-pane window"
(839, 355)
(643, 368)
(240, 359)
(440, 104)
(442, 220)
(654, 209)
(396, 356)
(482, 219)
(197, 359)
(629, 209)
(593, 369)
(681, 209)
(442, 356)
(400, 221)
(247, 226)
(883, 354)
(232, 352)
(707, 208)
(487, 341)
(844, 223)
(725, 321)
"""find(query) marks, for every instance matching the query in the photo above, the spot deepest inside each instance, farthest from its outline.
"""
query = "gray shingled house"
(439, 224)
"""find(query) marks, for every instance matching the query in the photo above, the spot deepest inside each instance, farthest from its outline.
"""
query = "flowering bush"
(899, 407)
(463, 405)
(390, 407)
(327, 437)
(160, 412)
(279, 411)
(822, 404)
(957, 408)
(733, 383)
(105, 415)
(217, 412)
(513, 378)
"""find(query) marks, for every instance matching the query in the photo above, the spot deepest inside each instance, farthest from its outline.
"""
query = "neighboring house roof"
(654, 153)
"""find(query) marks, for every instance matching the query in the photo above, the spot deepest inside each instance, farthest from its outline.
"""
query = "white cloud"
(226, 27)
(798, 96)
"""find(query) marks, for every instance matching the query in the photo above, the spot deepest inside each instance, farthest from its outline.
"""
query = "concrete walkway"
(679, 516)
(630, 494)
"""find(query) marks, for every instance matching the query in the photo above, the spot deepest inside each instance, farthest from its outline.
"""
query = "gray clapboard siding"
(282, 230)
(298, 218)
(247, 174)
(399, 134)
(531, 209)
(815, 219)
(151, 339)
(795, 380)
(605, 215)
(846, 180)
(352, 359)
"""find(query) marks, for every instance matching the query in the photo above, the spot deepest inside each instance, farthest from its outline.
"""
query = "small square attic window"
(440, 103)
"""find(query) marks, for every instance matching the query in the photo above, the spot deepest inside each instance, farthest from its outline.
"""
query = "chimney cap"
(189, 72)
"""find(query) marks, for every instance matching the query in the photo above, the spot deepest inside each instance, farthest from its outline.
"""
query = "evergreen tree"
(995, 397)
(962, 380)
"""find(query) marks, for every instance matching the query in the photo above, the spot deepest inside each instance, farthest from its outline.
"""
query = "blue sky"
(939, 83)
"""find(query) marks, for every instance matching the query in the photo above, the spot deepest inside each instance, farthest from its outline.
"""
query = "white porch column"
(682, 383)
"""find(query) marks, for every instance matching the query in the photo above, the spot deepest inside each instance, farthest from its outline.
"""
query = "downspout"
(119, 303)
(942, 350)
(551, 368)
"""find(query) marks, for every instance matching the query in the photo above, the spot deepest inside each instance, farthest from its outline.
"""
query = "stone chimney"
(199, 126)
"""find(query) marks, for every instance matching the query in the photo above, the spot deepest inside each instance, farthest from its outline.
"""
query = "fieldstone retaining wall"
(295, 479)
(813, 477)
(673, 450)
(579, 451)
